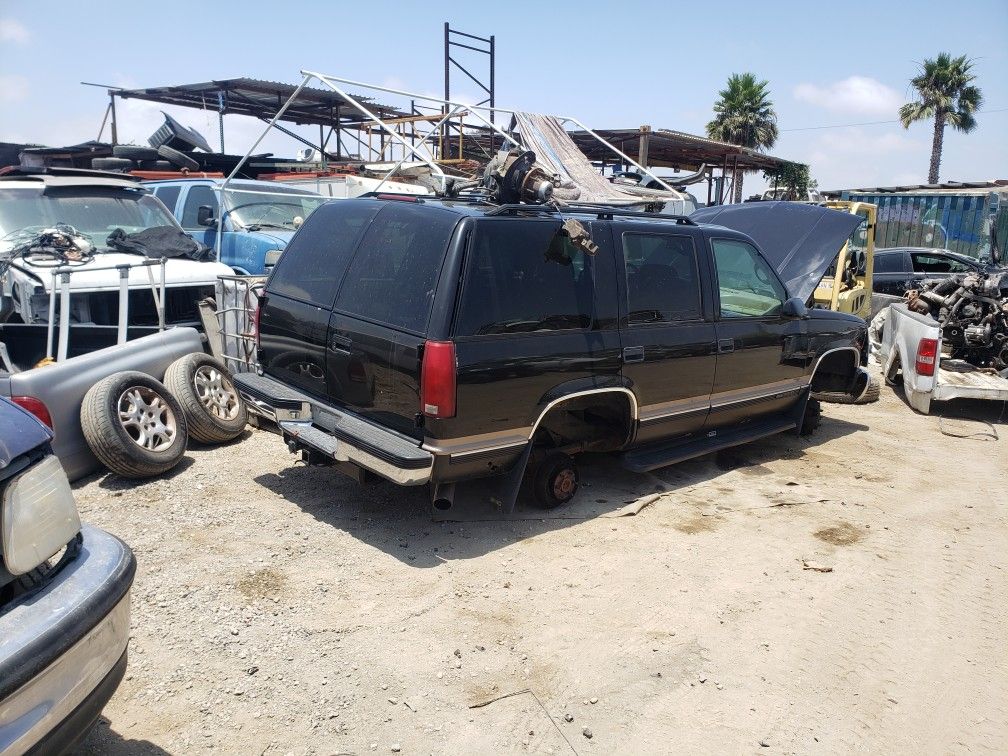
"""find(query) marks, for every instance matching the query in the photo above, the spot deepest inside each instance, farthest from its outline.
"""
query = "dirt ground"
(842, 593)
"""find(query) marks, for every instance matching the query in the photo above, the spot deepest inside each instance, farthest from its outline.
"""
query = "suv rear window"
(524, 277)
(314, 262)
(395, 271)
(662, 280)
(891, 262)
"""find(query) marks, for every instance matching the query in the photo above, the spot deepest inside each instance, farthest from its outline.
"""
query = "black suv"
(432, 341)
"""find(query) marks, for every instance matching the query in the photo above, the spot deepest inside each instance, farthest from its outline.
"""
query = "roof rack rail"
(607, 211)
(398, 196)
(514, 209)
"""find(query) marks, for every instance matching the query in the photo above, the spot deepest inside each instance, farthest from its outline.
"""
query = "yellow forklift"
(847, 285)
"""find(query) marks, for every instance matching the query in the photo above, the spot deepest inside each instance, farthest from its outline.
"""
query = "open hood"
(799, 240)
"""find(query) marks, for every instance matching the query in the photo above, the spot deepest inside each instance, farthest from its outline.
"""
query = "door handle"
(633, 354)
(725, 345)
(340, 343)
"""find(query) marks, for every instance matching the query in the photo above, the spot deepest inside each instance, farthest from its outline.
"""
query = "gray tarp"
(799, 240)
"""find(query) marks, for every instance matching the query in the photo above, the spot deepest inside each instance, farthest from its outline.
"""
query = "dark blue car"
(64, 598)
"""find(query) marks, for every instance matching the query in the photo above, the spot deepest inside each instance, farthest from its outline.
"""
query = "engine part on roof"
(972, 311)
(514, 177)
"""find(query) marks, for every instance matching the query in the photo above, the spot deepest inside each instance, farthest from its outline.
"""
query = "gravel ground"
(841, 593)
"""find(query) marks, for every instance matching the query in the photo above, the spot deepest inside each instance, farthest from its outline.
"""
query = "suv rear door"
(297, 304)
(669, 342)
(381, 315)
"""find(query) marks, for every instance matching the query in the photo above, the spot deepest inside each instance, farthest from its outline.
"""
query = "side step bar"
(651, 457)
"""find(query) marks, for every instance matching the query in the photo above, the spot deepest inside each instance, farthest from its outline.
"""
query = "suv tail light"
(437, 379)
(35, 406)
(927, 356)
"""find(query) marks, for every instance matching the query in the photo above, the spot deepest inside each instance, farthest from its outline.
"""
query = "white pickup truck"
(912, 344)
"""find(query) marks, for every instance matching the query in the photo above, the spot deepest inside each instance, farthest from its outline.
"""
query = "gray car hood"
(799, 240)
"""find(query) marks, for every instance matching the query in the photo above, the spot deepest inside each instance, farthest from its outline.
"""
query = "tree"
(794, 178)
(744, 115)
(945, 92)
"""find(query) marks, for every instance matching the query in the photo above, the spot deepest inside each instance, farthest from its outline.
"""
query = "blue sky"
(609, 64)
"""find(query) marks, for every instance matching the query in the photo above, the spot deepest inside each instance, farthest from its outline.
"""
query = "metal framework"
(489, 88)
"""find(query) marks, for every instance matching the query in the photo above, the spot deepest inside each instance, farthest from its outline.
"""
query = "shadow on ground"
(398, 520)
(105, 741)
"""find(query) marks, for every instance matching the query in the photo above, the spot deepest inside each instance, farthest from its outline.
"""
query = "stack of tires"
(127, 157)
(140, 427)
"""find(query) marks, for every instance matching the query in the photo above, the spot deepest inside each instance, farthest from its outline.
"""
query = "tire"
(555, 480)
(112, 164)
(121, 443)
(871, 394)
(812, 418)
(176, 158)
(133, 152)
(213, 410)
(156, 165)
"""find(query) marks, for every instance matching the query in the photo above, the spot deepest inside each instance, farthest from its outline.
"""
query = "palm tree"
(944, 92)
(744, 115)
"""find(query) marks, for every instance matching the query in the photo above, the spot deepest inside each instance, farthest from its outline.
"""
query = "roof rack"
(602, 211)
(16, 171)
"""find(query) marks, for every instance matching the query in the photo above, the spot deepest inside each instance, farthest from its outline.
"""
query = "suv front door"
(761, 353)
(669, 341)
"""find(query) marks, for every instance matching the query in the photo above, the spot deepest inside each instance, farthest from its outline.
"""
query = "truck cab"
(258, 220)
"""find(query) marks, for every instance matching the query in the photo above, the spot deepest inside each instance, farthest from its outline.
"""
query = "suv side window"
(663, 284)
(890, 262)
(394, 274)
(197, 196)
(313, 264)
(169, 196)
(524, 277)
(925, 263)
(747, 285)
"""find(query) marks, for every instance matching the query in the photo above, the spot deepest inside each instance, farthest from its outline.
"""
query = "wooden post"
(642, 150)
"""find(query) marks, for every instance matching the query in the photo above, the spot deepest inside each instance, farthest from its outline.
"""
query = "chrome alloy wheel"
(147, 418)
(216, 392)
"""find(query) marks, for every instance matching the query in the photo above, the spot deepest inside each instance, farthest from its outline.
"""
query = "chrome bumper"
(60, 644)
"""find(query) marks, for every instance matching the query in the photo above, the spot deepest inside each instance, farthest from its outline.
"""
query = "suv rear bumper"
(336, 434)
(63, 649)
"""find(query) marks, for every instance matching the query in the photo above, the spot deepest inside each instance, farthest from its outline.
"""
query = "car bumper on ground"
(63, 648)
(334, 433)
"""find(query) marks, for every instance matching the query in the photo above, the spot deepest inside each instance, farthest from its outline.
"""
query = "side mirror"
(795, 308)
(205, 217)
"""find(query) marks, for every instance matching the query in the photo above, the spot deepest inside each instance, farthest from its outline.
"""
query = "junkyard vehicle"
(438, 342)
(899, 269)
(64, 599)
(915, 351)
(258, 220)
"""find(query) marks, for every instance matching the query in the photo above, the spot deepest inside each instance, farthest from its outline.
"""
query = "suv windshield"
(93, 211)
(256, 209)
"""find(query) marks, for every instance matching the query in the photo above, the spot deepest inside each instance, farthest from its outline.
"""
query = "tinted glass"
(314, 262)
(197, 196)
(925, 263)
(395, 271)
(890, 263)
(523, 277)
(747, 284)
(168, 195)
(662, 280)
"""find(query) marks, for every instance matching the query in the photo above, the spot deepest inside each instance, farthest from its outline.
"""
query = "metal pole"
(220, 124)
(115, 132)
(445, 141)
(64, 334)
(52, 318)
(123, 303)
(161, 303)
(104, 120)
(432, 131)
(339, 136)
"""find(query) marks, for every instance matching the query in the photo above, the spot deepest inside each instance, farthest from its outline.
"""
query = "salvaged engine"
(972, 310)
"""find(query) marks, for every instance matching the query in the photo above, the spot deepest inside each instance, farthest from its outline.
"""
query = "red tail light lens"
(927, 356)
(437, 379)
(35, 406)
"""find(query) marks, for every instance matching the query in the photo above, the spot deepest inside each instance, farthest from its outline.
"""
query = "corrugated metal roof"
(261, 99)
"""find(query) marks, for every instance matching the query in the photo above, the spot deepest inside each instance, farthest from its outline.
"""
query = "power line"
(874, 123)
